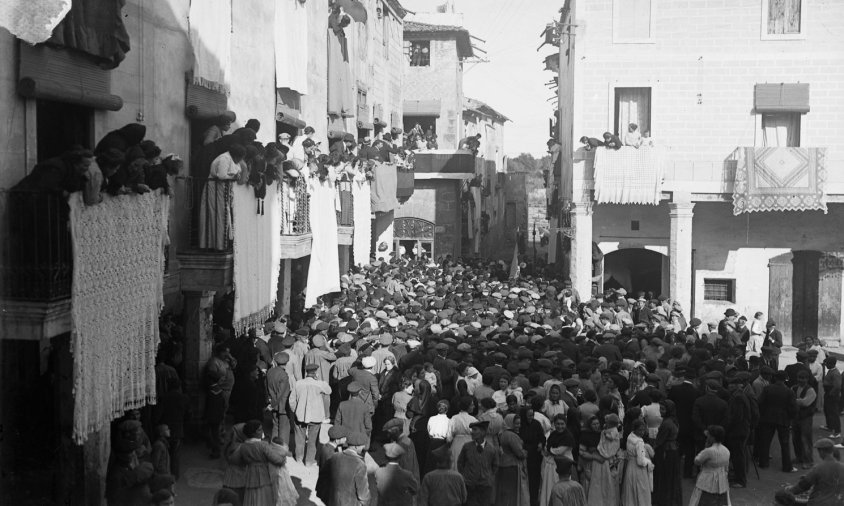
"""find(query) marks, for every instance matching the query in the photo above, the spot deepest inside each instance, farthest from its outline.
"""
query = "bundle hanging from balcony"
(779, 179)
(118, 269)
(628, 175)
(257, 255)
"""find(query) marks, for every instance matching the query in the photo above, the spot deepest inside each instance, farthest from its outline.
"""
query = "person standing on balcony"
(221, 125)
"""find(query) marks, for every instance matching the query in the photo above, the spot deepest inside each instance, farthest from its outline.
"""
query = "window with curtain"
(781, 130)
(784, 17)
(632, 105)
(632, 21)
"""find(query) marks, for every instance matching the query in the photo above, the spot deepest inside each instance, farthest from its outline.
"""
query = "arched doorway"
(635, 270)
(413, 237)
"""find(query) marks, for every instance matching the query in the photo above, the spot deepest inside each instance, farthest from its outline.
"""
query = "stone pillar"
(680, 253)
(285, 280)
(581, 250)
(199, 342)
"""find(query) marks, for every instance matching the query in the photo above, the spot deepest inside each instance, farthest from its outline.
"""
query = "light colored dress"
(652, 418)
(400, 401)
(638, 473)
(604, 483)
(712, 486)
(459, 434)
(285, 489)
(549, 471)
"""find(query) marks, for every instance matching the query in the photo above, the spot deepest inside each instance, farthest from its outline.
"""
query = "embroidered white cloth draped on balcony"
(324, 269)
(780, 179)
(257, 255)
(628, 175)
(118, 269)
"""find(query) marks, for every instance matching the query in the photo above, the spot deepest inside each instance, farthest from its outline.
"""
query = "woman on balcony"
(215, 218)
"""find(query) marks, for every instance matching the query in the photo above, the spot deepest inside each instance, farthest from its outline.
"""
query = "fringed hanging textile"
(118, 272)
(628, 175)
(780, 179)
(257, 255)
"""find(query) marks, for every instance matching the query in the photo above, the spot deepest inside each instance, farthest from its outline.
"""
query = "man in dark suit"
(684, 396)
(396, 486)
(346, 483)
(742, 415)
(777, 409)
(363, 375)
(708, 409)
(278, 391)
(478, 463)
(353, 414)
(608, 349)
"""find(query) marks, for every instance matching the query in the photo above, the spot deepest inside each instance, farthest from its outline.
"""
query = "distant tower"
(448, 7)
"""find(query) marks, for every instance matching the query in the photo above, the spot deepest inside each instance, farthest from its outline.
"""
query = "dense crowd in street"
(452, 383)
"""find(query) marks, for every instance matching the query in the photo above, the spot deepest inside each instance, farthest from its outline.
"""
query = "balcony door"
(632, 105)
(781, 130)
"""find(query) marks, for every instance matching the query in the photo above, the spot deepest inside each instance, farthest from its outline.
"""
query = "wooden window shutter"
(781, 97)
(64, 76)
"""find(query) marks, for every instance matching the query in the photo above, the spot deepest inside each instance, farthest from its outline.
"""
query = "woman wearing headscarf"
(712, 487)
(234, 477)
(604, 482)
(421, 407)
(389, 382)
(533, 436)
(560, 443)
(462, 391)
(512, 479)
(678, 321)
(638, 472)
(459, 432)
(667, 475)
(261, 487)
(590, 436)
(555, 405)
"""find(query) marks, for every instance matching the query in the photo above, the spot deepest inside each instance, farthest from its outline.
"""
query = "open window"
(782, 19)
(420, 53)
(779, 108)
(781, 130)
(60, 126)
(632, 105)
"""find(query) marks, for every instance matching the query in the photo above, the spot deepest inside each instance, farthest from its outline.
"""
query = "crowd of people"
(450, 383)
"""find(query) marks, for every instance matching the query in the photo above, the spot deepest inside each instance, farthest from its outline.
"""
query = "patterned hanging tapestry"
(118, 272)
(257, 254)
(628, 175)
(779, 179)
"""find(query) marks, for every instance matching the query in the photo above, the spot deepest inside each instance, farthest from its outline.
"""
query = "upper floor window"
(782, 19)
(632, 106)
(632, 21)
(420, 53)
(781, 130)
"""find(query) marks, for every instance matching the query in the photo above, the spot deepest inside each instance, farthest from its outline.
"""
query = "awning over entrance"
(422, 108)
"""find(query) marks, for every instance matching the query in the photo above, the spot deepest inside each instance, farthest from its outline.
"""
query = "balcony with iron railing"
(710, 178)
(36, 264)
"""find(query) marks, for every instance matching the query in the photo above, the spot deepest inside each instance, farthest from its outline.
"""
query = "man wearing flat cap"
(825, 480)
(396, 486)
(478, 463)
(309, 402)
(394, 429)
(278, 392)
(346, 482)
(777, 408)
(353, 414)
(321, 356)
(708, 409)
(442, 486)
(363, 375)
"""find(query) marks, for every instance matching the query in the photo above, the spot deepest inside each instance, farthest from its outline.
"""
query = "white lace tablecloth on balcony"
(118, 273)
(628, 175)
(257, 255)
(780, 179)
